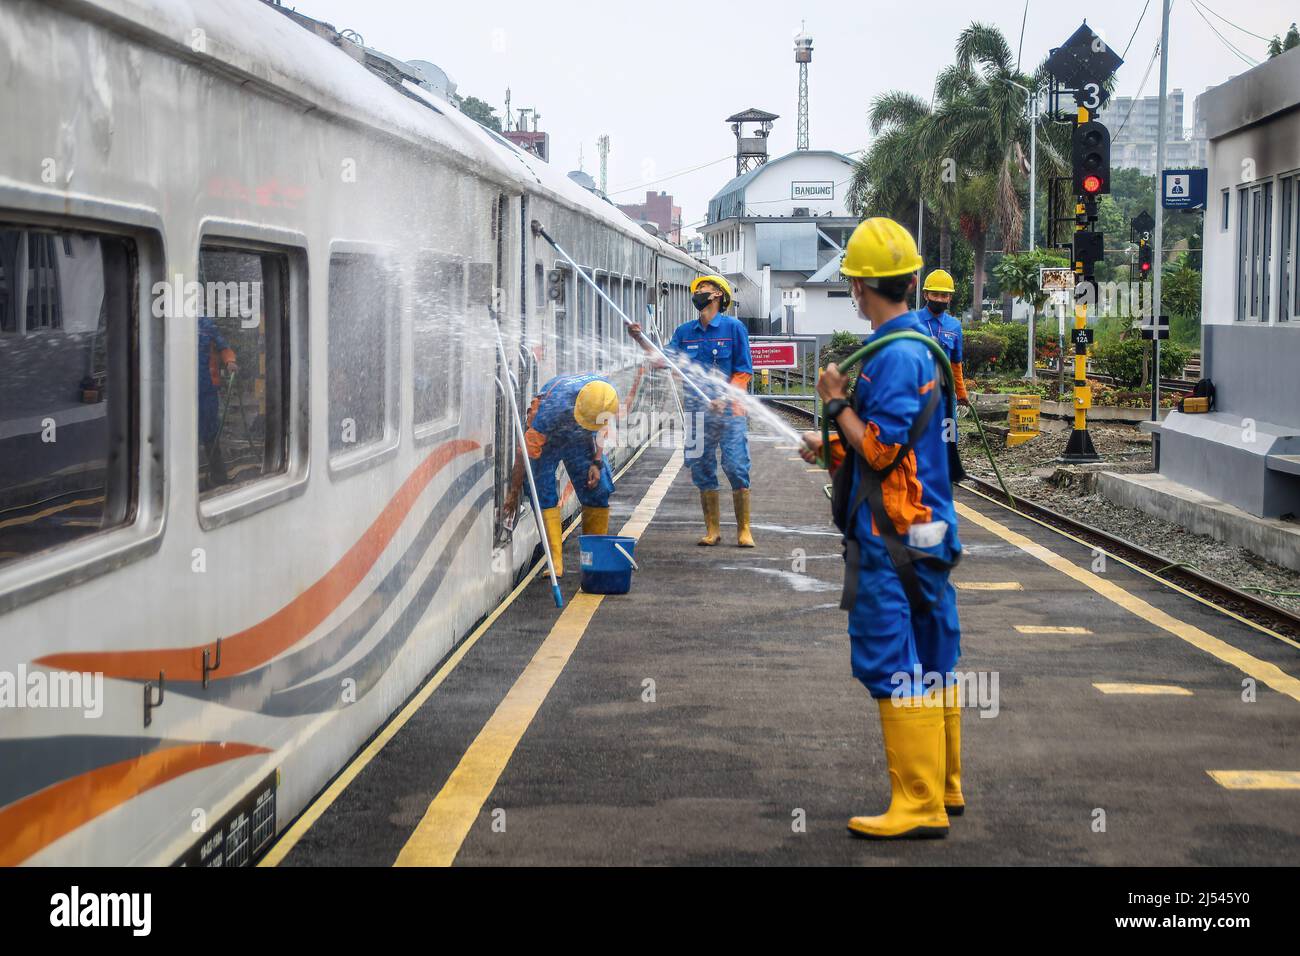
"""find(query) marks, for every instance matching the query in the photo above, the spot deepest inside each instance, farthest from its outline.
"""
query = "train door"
(503, 437)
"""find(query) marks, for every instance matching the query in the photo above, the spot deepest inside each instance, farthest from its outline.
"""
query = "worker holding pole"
(565, 423)
(717, 345)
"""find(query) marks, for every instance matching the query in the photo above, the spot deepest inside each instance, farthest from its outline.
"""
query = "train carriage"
(254, 436)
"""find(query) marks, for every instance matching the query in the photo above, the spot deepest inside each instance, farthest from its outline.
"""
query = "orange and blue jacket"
(893, 388)
(550, 418)
(946, 330)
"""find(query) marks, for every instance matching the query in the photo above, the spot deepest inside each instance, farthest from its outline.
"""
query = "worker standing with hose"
(717, 345)
(563, 425)
(943, 327)
(894, 502)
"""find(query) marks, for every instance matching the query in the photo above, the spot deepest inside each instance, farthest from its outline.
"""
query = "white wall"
(770, 192)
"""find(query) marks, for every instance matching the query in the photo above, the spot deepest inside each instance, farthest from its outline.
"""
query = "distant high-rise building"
(1133, 124)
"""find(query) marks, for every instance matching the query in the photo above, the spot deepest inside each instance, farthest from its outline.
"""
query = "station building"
(1234, 473)
(777, 232)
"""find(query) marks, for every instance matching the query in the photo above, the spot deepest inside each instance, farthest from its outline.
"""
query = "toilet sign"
(1183, 189)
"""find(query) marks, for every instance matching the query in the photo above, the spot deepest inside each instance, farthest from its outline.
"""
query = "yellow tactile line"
(1168, 690)
(1270, 674)
(1256, 779)
(289, 839)
(439, 835)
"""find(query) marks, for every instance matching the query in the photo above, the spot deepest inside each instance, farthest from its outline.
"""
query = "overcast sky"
(659, 78)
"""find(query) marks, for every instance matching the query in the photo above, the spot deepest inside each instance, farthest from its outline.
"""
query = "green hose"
(942, 357)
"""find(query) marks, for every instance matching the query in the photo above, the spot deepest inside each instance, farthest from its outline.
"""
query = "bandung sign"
(817, 190)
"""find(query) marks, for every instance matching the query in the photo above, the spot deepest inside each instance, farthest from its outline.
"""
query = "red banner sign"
(774, 354)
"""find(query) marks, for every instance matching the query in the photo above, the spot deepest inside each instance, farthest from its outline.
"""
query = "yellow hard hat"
(594, 400)
(720, 282)
(938, 281)
(880, 248)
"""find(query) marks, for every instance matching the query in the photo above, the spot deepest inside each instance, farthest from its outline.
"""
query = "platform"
(709, 717)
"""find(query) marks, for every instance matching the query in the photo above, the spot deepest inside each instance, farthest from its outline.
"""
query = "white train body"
(342, 572)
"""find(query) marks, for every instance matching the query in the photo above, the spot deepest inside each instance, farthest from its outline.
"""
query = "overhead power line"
(664, 179)
(1141, 15)
(1235, 26)
(1226, 42)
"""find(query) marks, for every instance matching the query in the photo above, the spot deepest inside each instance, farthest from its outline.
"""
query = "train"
(255, 432)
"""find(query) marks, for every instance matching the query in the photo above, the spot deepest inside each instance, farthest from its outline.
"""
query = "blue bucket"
(607, 563)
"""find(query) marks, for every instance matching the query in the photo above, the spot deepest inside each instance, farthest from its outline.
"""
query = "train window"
(638, 313)
(242, 366)
(582, 347)
(362, 353)
(68, 395)
(539, 282)
(602, 312)
(438, 320)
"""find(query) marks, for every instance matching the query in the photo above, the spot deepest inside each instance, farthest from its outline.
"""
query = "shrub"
(1122, 359)
(982, 350)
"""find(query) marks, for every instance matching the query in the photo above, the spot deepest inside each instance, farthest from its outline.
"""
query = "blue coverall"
(945, 330)
(718, 353)
(887, 637)
(554, 436)
(213, 348)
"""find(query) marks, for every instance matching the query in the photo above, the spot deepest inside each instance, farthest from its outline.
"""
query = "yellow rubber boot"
(555, 537)
(595, 520)
(953, 801)
(914, 749)
(712, 518)
(740, 498)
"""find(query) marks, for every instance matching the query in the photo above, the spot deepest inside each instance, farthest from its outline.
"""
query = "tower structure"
(803, 47)
(751, 146)
(602, 146)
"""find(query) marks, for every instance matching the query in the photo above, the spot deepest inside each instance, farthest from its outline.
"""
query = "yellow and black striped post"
(1079, 447)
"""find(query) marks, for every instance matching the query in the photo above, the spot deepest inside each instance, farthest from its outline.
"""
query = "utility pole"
(1160, 223)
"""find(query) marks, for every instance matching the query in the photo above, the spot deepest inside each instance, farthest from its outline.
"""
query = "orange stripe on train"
(34, 822)
(254, 646)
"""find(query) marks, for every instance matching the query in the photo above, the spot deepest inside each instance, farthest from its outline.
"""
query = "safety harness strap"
(871, 492)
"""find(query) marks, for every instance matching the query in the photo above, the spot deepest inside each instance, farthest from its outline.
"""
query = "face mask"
(936, 307)
(701, 300)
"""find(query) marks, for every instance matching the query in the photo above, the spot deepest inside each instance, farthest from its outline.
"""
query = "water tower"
(802, 56)
(751, 148)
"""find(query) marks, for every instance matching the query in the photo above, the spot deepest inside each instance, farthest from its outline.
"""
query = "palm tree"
(886, 179)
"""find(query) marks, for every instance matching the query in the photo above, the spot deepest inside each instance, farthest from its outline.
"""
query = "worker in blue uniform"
(900, 537)
(716, 349)
(943, 327)
(565, 422)
(215, 357)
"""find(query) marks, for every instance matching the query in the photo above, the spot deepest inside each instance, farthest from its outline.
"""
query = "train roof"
(308, 62)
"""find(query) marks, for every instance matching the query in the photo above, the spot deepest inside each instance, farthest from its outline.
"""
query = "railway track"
(1222, 596)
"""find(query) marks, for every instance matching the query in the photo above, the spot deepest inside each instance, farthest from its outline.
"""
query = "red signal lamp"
(1146, 267)
(1091, 184)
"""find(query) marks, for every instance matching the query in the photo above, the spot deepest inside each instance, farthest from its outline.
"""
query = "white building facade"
(777, 234)
(1247, 452)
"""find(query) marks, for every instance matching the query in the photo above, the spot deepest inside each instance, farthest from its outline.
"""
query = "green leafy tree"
(1018, 275)
(480, 112)
(1277, 46)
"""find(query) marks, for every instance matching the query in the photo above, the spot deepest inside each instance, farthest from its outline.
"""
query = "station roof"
(752, 115)
(729, 201)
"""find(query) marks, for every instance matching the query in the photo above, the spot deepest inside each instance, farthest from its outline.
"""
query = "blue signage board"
(1183, 188)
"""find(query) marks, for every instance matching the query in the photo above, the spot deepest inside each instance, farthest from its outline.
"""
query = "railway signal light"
(1091, 155)
(1144, 259)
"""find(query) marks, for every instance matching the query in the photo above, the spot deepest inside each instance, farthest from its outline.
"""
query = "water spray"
(539, 231)
(508, 386)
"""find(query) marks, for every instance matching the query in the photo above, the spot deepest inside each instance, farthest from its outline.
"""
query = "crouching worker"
(893, 498)
(564, 425)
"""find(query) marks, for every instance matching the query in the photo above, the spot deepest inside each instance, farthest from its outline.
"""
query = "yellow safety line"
(1270, 674)
(1257, 779)
(989, 585)
(1168, 689)
(439, 835)
(1140, 570)
(289, 839)
(1051, 629)
(28, 519)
